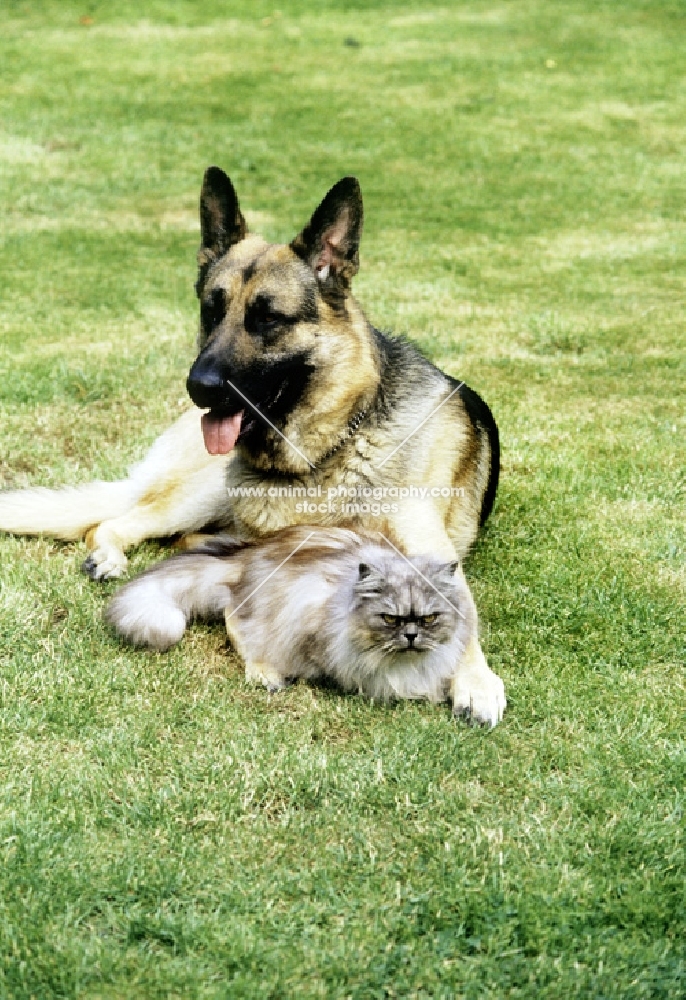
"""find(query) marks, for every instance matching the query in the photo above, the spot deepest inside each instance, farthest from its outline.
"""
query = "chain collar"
(351, 431)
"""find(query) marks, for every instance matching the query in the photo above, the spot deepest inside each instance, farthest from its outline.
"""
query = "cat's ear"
(368, 578)
(448, 570)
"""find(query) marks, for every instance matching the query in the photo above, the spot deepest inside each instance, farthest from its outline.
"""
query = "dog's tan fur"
(411, 423)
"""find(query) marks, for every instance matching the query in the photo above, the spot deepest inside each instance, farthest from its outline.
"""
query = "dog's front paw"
(481, 699)
(105, 564)
(477, 692)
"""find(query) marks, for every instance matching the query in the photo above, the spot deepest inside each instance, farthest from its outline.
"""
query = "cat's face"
(401, 609)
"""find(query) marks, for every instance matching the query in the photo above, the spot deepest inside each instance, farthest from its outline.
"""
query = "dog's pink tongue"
(220, 433)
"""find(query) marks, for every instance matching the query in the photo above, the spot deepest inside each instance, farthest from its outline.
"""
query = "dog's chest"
(339, 492)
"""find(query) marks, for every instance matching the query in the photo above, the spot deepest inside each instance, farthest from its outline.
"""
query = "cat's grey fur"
(309, 603)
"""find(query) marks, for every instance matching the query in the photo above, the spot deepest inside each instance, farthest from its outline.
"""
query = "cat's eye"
(429, 619)
(390, 619)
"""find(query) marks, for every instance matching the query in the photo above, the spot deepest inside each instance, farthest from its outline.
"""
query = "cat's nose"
(410, 636)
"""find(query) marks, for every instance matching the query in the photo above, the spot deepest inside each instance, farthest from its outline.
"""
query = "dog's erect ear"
(221, 221)
(330, 242)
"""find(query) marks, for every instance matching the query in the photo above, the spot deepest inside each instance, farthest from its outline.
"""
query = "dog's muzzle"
(273, 387)
(209, 388)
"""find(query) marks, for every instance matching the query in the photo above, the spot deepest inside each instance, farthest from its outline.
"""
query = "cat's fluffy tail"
(155, 607)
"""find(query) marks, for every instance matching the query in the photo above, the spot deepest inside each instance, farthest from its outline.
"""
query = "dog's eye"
(261, 318)
(390, 620)
(213, 310)
(429, 619)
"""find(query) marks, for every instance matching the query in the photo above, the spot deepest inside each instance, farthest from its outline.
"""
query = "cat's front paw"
(265, 674)
(477, 692)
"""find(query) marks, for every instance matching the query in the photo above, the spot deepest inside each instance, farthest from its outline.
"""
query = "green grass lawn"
(167, 831)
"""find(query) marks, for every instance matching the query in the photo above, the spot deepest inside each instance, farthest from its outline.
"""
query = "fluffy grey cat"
(312, 603)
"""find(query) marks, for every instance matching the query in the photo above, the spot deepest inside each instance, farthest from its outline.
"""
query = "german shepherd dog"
(312, 417)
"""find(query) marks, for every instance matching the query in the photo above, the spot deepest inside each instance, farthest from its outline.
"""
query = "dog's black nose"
(205, 383)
